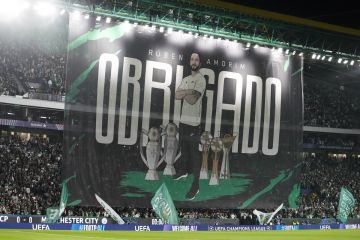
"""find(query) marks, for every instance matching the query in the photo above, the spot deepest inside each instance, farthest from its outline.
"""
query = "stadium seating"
(35, 61)
(30, 182)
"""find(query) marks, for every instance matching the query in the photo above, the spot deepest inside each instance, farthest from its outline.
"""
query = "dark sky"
(343, 13)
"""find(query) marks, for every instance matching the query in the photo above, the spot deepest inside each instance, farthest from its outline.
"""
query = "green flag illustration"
(346, 203)
(54, 213)
(164, 206)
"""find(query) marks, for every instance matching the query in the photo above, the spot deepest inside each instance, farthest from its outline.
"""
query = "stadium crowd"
(30, 182)
(323, 192)
(32, 59)
(29, 174)
(330, 106)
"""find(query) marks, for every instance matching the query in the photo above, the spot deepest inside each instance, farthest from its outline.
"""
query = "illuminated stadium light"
(352, 62)
(256, 46)
(248, 45)
(153, 27)
(10, 9)
(126, 26)
(301, 54)
(346, 61)
(108, 20)
(87, 16)
(318, 57)
(45, 8)
(77, 15)
(169, 30)
(280, 50)
(62, 11)
(287, 51)
(313, 56)
(98, 18)
(330, 59)
(293, 53)
(339, 60)
(322, 58)
(161, 29)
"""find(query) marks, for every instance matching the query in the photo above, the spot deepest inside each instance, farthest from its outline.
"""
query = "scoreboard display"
(21, 219)
(65, 220)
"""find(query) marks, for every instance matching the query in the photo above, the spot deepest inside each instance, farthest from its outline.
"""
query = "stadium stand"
(33, 57)
(328, 105)
(30, 182)
(30, 174)
(34, 62)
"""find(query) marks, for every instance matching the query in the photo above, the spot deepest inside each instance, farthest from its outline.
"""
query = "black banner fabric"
(218, 122)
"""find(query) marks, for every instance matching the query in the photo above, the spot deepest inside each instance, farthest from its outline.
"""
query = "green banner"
(54, 213)
(63, 198)
(346, 203)
(163, 206)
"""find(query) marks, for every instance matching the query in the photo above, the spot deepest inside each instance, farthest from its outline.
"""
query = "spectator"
(30, 183)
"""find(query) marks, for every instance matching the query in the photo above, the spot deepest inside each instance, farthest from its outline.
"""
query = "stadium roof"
(333, 12)
(237, 22)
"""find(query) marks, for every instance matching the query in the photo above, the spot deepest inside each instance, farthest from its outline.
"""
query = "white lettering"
(265, 143)
(113, 59)
(40, 227)
(126, 80)
(245, 142)
(142, 228)
(236, 107)
(106, 112)
(149, 85)
(4, 218)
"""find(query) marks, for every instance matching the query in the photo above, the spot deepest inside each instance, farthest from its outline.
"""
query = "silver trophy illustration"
(227, 142)
(216, 147)
(153, 153)
(171, 146)
(205, 140)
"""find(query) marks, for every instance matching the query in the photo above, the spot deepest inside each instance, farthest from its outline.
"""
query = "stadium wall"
(41, 219)
(131, 227)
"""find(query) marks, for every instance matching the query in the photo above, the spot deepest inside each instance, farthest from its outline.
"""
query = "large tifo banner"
(218, 122)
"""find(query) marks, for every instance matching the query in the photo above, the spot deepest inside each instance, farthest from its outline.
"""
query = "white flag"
(110, 211)
(265, 218)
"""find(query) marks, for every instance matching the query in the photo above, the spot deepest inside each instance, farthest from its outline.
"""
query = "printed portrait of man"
(190, 91)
